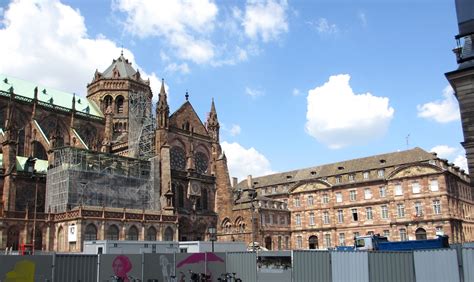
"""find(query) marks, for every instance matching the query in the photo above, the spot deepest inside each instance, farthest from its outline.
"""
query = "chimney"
(249, 181)
(234, 182)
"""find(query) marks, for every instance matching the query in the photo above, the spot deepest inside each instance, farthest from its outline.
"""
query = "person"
(121, 266)
(165, 268)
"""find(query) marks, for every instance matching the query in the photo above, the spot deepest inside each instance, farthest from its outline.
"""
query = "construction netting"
(82, 177)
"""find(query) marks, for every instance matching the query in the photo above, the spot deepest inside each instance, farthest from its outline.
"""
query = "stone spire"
(212, 123)
(162, 108)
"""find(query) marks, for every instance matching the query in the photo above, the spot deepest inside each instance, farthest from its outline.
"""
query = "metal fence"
(430, 265)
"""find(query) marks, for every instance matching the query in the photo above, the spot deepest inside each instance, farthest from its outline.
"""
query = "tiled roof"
(351, 166)
(47, 95)
(123, 66)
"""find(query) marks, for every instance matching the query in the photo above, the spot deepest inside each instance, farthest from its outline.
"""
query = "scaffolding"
(141, 126)
(85, 178)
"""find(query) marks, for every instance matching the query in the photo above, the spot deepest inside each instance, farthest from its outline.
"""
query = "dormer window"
(340, 168)
(352, 177)
(313, 173)
(289, 177)
(382, 161)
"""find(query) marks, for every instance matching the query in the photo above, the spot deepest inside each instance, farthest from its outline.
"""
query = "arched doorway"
(13, 238)
(313, 242)
(420, 234)
(268, 243)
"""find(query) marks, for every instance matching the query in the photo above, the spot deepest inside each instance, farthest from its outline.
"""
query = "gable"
(414, 170)
(186, 115)
(309, 187)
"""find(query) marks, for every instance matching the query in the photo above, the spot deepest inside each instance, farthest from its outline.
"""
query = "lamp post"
(212, 236)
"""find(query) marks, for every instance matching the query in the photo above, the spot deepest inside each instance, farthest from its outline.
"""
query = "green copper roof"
(48, 96)
(41, 166)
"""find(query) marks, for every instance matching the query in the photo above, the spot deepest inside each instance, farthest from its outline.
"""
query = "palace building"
(403, 195)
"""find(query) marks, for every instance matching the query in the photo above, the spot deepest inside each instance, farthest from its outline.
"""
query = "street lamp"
(212, 235)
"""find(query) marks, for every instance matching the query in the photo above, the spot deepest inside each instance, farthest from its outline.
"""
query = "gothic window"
(107, 102)
(61, 239)
(151, 234)
(169, 234)
(91, 233)
(119, 104)
(204, 198)
(39, 151)
(201, 162)
(21, 142)
(132, 234)
(112, 233)
(178, 158)
(181, 196)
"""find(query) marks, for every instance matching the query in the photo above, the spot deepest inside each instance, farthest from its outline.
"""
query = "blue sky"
(296, 83)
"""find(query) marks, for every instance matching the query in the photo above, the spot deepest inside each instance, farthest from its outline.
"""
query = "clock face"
(201, 162)
(178, 158)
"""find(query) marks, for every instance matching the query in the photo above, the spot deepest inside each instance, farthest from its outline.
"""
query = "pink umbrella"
(198, 257)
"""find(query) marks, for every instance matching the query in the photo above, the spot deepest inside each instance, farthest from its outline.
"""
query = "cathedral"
(104, 166)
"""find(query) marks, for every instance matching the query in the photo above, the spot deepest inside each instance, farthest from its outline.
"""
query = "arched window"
(268, 243)
(119, 104)
(181, 195)
(420, 234)
(151, 234)
(132, 234)
(91, 233)
(112, 233)
(201, 162)
(21, 142)
(313, 242)
(61, 239)
(13, 237)
(226, 225)
(39, 151)
(107, 102)
(178, 158)
(169, 234)
(38, 239)
(204, 198)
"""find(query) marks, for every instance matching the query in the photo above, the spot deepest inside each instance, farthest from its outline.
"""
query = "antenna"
(408, 141)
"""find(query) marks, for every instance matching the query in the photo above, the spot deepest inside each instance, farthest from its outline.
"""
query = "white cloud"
(184, 24)
(324, 27)
(243, 162)
(235, 130)
(442, 111)
(461, 162)
(265, 19)
(47, 42)
(182, 68)
(362, 18)
(296, 92)
(457, 155)
(338, 117)
(254, 93)
(444, 151)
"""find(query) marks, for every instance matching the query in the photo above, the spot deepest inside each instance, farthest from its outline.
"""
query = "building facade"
(404, 195)
(106, 166)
